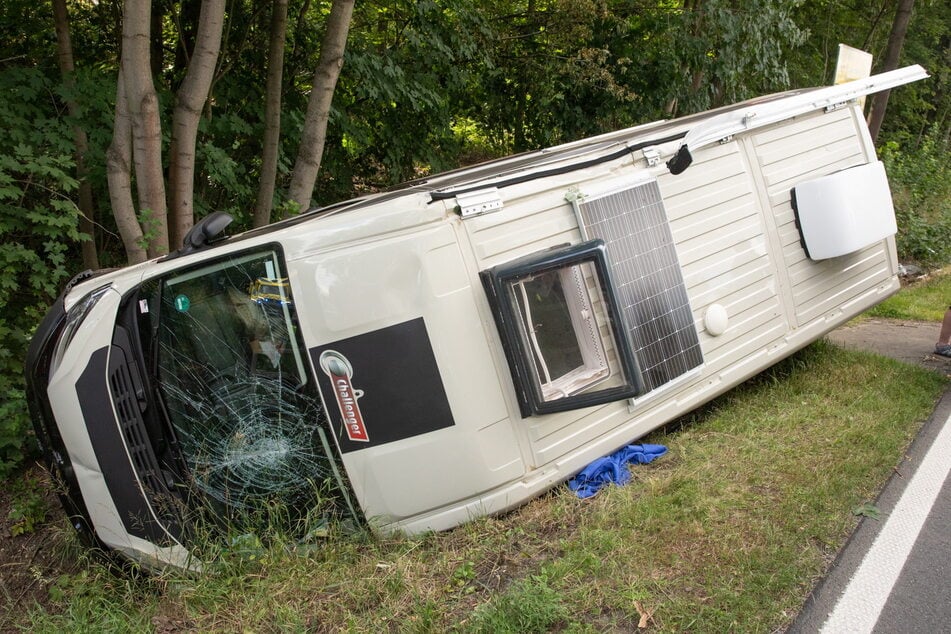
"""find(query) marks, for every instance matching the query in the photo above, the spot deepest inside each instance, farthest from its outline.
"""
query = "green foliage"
(923, 301)
(38, 235)
(14, 418)
(564, 69)
(463, 576)
(912, 109)
(547, 71)
(727, 53)
(28, 507)
(923, 107)
(408, 74)
(921, 189)
(229, 180)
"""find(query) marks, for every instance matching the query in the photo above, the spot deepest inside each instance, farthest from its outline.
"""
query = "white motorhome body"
(468, 341)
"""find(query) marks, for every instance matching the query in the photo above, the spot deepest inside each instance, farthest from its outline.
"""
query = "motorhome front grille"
(133, 428)
(648, 279)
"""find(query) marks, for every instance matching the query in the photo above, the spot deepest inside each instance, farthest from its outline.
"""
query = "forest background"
(123, 123)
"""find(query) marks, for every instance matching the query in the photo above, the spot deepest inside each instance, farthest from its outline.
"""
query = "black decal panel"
(382, 386)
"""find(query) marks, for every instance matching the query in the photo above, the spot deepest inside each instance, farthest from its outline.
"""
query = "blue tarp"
(613, 469)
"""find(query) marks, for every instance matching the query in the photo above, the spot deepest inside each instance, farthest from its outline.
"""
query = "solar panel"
(648, 279)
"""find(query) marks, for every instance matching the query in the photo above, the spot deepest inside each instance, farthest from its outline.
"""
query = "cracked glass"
(235, 385)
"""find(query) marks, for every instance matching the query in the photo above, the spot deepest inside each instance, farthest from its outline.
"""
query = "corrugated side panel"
(816, 146)
(532, 221)
(719, 231)
(526, 225)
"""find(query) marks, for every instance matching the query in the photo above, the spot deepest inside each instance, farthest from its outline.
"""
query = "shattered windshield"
(235, 385)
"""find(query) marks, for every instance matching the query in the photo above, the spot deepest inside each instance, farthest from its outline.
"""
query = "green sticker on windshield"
(182, 303)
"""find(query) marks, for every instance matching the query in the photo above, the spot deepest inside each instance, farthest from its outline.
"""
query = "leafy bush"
(38, 236)
(28, 508)
(921, 189)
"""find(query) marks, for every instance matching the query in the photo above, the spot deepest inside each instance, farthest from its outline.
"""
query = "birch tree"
(314, 135)
(896, 40)
(272, 114)
(189, 103)
(64, 50)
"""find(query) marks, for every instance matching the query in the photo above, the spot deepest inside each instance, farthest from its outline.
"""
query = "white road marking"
(862, 601)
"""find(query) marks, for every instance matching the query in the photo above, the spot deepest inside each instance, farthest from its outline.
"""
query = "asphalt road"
(894, 574)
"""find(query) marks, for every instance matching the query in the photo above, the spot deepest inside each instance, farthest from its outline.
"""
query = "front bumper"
(39, 359)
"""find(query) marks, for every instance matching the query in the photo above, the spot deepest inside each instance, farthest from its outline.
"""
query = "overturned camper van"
(457, 346)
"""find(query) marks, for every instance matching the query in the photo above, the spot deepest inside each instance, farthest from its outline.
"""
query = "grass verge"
(728, 531)
(923, 301)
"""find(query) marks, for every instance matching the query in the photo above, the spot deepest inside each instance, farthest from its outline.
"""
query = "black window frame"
(498, 279)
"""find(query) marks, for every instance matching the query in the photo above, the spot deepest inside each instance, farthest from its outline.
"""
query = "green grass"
(728, 531)
(923, 301)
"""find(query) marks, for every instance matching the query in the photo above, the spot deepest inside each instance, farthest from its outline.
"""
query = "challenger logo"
(338, 368)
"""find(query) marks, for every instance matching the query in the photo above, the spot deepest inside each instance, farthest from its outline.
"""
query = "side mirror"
(206, 231)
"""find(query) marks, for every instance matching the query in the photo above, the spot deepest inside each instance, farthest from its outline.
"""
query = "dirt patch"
(30, 559)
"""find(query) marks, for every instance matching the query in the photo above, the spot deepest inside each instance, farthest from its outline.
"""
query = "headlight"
(74, 318)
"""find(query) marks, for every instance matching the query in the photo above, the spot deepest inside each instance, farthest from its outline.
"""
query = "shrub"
(921, 189)
(38, 236)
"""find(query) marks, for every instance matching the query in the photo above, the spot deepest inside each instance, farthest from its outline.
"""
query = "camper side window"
(559, 325)
(561, 328)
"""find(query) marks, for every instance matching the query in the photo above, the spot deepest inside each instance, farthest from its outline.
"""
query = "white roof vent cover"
(844, 212)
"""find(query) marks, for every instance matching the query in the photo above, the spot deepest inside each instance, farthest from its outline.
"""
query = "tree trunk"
(119, 175)
(189, 103)
(186, 19)
(143, 111)
(318, 108)
(294, 57)
(272, 114)
(64, 49)
(156, 48)
(892, 54)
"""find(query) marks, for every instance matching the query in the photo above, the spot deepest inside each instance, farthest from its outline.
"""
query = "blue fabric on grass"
(613, 469)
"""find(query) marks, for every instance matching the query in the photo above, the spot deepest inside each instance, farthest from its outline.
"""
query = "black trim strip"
(795, 207)
(117, 471)
(557, 171)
